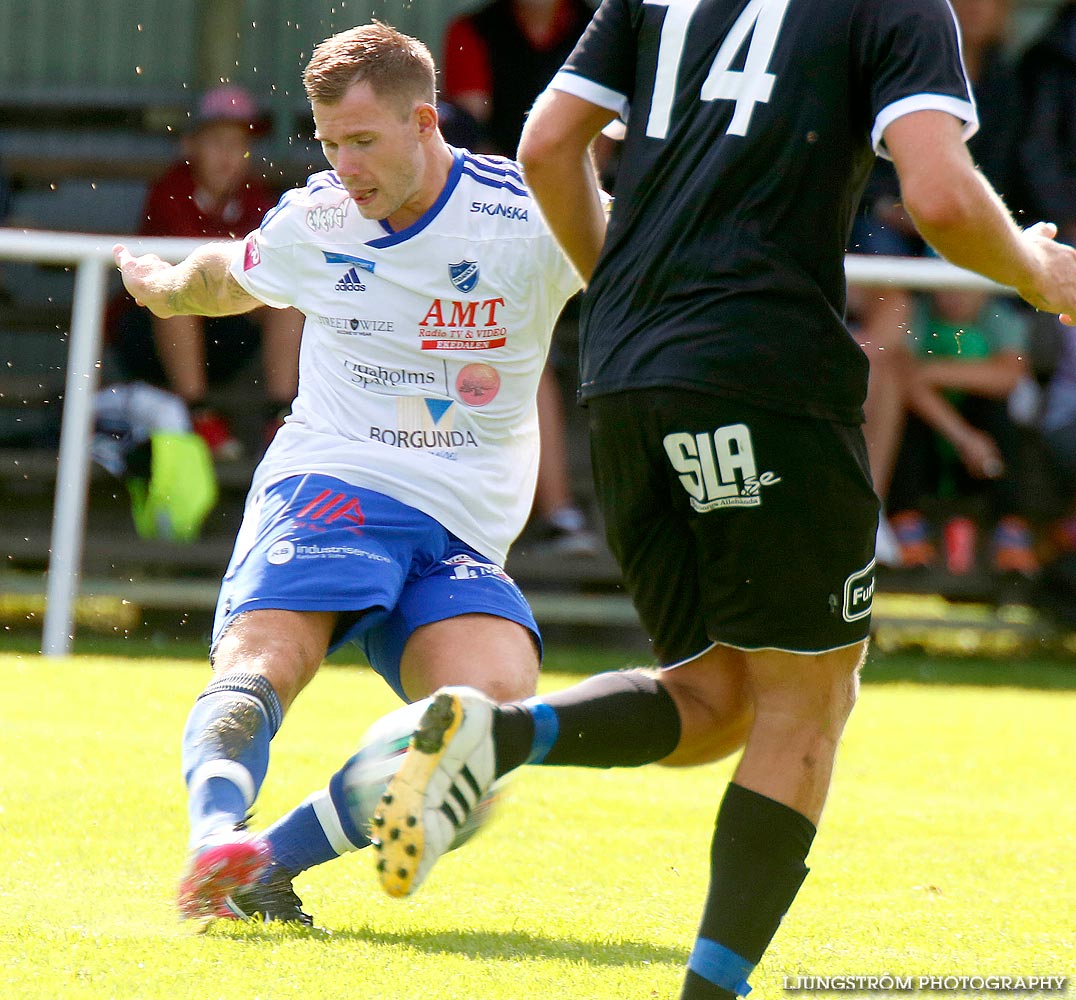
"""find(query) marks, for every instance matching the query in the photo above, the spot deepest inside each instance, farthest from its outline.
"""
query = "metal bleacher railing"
(91, 257)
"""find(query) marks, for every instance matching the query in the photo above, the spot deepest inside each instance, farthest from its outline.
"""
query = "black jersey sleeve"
(601, 68)
(908, 57)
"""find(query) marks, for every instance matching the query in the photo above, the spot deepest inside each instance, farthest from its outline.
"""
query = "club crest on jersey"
(718, 469)
(464, 275)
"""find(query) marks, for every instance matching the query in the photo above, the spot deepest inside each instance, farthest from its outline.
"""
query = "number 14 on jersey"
(760, 19)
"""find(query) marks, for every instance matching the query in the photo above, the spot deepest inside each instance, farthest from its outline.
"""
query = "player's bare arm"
(961, 216)
(200, 285)
(555, 152)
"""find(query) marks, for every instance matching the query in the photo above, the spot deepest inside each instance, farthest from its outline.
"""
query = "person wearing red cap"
(212, 193)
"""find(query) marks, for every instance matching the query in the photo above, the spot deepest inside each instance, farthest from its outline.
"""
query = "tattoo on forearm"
(208, 289)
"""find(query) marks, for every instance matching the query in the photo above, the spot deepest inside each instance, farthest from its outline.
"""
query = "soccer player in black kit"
(725, 394)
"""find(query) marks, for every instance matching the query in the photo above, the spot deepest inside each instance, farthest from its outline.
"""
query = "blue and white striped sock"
(318, 830)
(226, 751)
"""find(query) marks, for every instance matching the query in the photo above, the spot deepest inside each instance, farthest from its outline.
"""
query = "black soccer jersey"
(752, 126)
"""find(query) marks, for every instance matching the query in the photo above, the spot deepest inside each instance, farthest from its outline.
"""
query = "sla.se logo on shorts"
(718, 470)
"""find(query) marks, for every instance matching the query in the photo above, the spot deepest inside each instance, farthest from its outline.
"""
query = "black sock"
(620, 719)
(756, 868)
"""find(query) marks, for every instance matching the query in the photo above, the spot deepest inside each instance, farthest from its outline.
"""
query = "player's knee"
(513, 678)
(807, 693)
(518, 684)
(287, 659)
(715, 717)
(844, 685)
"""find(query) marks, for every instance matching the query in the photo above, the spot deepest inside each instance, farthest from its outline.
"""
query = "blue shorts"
(314, 543)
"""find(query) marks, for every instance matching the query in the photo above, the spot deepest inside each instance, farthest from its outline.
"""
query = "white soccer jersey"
(422, 349)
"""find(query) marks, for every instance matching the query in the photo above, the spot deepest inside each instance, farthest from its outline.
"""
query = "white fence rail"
(92, 258)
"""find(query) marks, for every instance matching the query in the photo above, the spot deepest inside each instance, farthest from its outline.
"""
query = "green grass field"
(948, 848)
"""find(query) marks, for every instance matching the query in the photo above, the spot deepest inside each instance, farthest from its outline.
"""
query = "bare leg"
(766, 822)
(261, 663)
(496, 656)
(181, 349)
(492, 654)
(284, 647)
(882, 337)
(712, 697)
(553, 491)
(801, 706)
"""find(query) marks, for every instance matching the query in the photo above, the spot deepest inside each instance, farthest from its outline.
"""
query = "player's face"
(379, 153)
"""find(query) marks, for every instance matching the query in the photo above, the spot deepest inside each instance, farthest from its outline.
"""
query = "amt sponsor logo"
(462, 326)
(508, 211)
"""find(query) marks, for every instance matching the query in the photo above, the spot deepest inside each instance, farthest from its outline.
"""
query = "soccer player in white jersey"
(383, 509)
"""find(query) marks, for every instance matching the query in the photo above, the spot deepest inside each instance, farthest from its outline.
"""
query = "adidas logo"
(350, 282)
(462, 797)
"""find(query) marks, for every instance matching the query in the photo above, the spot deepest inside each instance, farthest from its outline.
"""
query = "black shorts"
(734, 524)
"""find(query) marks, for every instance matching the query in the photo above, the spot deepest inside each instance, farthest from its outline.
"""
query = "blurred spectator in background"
(497, 60)
(969, 352)
(1047, 158)
(1059, 422)
(210, 192)
(885, 314)
(1057, 589)
(457, 125)
(1047, 151)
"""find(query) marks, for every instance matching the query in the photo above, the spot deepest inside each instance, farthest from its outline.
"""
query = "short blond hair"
(396, 66)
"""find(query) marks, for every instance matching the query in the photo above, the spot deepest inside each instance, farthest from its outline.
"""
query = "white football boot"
(448, 768)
